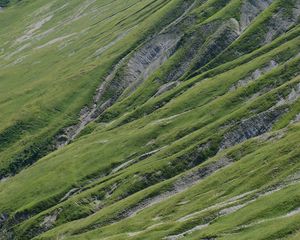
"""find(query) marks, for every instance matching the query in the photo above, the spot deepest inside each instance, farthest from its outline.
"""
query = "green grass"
(231, 181)
(52, 90)
(45, 81)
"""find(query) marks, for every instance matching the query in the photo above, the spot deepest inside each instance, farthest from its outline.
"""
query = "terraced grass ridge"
(150, 119)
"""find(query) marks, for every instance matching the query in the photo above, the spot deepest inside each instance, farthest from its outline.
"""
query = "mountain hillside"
(150, 119)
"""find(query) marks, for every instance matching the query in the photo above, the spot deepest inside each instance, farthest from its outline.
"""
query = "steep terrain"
(150, 119)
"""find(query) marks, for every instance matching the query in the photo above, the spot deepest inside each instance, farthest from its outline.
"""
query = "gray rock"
(149, 58)
(281, 22)
(250, 10)
(50, 220)
(254, 75)
(251, 127)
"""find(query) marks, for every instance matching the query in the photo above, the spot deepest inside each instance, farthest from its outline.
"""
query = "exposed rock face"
(185, 123)
(258, 72)
(291, 98)
(297, 118)
(146, 61)
(149, 57)
(88, 114)
(281, 22)
(201, 173)
(179, 186)
(251, 9)
(219, 37)
(134, 68)
(251, 127)
(50, 220)
(255, 75)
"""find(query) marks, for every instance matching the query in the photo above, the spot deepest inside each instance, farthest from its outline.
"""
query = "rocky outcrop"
(127, 75)
(255, 75)
(250, 10)
(281, 21)
(149, 58)
(292, 97)
(251, 127)
(179, 186)
(216, 37)
(175, 141)
(88, 114)
(50, 220)
(215, 44)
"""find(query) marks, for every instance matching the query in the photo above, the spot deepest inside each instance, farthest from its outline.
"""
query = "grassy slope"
(33, 63)
(198, 112)
(231, 181)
